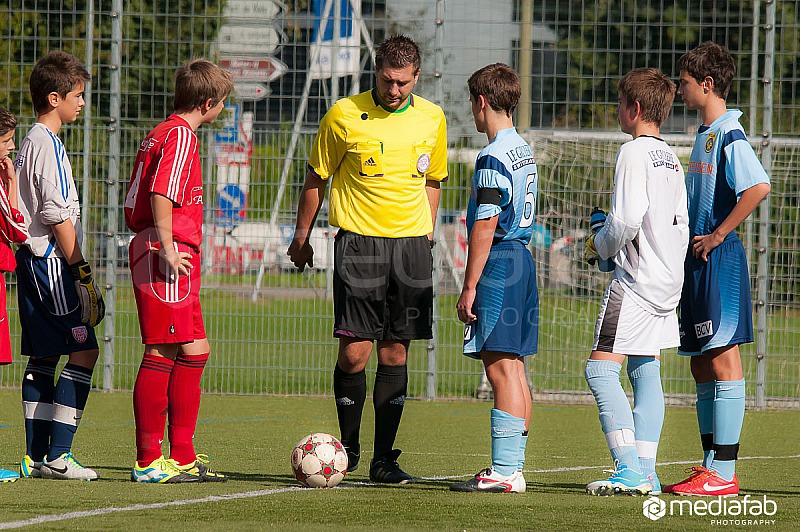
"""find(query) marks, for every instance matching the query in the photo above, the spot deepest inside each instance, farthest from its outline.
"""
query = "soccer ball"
(319, 461)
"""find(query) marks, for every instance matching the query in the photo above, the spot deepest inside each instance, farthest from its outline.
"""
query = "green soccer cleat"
(200, 469)
(8, 476)
(161, 471)
(30, 469)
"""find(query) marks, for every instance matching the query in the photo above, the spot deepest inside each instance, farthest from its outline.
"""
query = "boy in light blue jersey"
(499, 303)
(725, 182)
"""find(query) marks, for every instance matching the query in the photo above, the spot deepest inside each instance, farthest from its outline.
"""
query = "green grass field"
(251, 438)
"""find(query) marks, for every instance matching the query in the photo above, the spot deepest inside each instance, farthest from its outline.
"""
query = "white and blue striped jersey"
(722, 166)
(47, 192)
(506, 164)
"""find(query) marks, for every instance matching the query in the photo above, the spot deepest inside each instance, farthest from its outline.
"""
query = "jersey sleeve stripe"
(181, 156)
(489, 162)
(732, 136)
(59, 152)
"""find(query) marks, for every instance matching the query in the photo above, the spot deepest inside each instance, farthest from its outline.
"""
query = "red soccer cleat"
(709, 484)
(695, 471)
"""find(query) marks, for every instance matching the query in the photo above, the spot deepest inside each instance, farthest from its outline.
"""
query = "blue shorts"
(715, 309)
(506, 304)
(49, 311)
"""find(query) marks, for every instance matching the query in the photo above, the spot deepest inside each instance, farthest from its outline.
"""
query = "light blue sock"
(705, 419)
(728, 419)
(523, 442)
(648, 408)
(616, 417)
(506, 433)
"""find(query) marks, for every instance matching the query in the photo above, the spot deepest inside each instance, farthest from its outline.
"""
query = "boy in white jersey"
(645, 235)
(725, 182)
(59, 302)
(499, 303)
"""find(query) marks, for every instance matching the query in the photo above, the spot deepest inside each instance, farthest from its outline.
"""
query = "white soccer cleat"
(65, 467)
(489, 481)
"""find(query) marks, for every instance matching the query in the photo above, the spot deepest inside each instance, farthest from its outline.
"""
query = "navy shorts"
(506, 304)
(715, 309)
(382, 287)
(49, 310)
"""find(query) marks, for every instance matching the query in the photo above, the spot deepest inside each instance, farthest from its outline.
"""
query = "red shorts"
(169, 309)
(5, 337)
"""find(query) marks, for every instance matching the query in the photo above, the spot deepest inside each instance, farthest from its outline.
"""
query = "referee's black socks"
(350, 391)
(391, 385)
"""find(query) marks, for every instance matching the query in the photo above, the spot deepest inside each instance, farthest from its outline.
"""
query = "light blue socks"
(648, 411)
(728, 419)
(506, 435)
(523, 442)
(616, 417)
(705, 419)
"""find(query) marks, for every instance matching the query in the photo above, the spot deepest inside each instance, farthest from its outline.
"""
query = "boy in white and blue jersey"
(499, 303)
(645, 237)
(725, 183)
(59, 302)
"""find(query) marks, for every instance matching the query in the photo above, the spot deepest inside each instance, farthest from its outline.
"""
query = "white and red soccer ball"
(319, 461)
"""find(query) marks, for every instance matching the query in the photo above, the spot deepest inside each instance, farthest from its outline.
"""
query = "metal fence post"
(432, 374)
(112, 180)
(762, 302)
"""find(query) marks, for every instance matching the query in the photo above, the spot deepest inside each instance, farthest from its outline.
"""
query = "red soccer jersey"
(168, 163)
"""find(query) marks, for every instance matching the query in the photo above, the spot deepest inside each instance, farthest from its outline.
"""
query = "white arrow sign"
(248, 40)
(260, 11)
(251, 91)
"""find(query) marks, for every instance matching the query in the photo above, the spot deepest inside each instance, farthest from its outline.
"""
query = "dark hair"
(710, 60)
(398, 51)
(198, 81)
(57, 72)
(499, 84)
(7, 121)
(652, 89)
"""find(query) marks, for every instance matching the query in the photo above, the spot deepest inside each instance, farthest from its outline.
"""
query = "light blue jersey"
(507, 165)
(507, 299)
(722, 166)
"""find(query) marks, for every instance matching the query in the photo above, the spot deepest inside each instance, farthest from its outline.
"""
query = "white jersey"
(47, 192)
(647, 230)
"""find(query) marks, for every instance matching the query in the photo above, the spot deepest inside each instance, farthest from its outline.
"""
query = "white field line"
(261, 493)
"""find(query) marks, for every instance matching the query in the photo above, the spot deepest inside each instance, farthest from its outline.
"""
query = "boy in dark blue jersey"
(725, 182)
(499, 303)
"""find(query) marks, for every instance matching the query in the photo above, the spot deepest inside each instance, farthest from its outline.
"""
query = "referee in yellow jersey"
(385, 151)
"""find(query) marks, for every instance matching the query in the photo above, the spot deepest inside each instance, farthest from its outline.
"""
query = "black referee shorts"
(382, 287)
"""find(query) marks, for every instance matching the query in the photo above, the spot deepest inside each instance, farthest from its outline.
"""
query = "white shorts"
(625, 328)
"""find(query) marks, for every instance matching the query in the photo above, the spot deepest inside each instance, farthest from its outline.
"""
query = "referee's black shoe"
(353, 457)
(385, 470)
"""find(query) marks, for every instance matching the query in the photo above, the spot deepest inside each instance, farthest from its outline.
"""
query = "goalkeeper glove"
(596, 222)
(590, 254)
(93, 308)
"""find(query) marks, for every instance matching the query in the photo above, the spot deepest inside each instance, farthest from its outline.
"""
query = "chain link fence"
(271, 327)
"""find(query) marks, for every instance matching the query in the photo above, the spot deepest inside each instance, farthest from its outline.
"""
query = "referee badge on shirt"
(421, 157)
(423, 163)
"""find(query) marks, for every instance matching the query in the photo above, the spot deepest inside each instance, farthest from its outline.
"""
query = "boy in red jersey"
(164, 207)
(12, 229)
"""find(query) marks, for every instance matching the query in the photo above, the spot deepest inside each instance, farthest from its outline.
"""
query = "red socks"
(184, 405)
(150, 406)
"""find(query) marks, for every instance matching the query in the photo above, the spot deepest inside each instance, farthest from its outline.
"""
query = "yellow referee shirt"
(379, 160)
